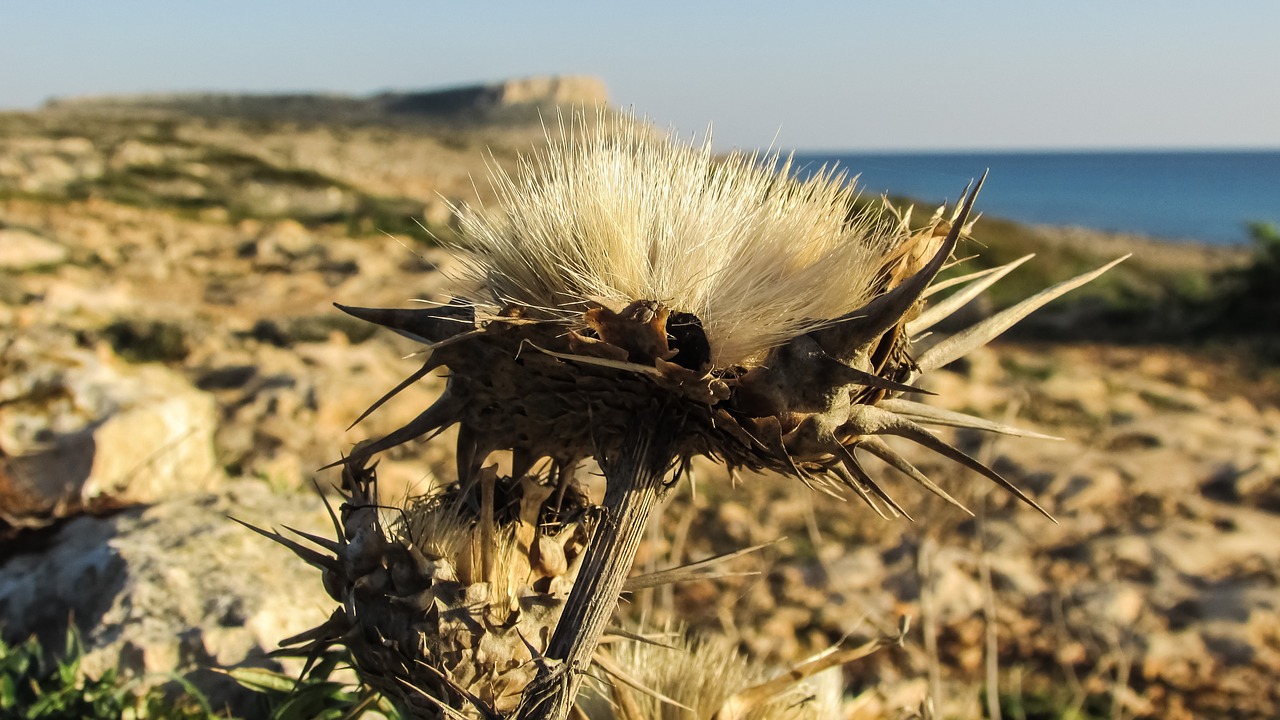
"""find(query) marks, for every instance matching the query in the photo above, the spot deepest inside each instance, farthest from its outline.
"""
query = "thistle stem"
(634, 485)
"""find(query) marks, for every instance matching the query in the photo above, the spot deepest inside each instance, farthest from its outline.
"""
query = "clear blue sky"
(808, 75)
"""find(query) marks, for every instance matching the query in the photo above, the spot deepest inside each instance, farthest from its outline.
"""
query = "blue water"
(1204, 196)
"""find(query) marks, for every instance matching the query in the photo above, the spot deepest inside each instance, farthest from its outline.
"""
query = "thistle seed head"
(626, 275)
(707, 676)
(610, 213)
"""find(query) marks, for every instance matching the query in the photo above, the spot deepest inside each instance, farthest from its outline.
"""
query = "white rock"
(78, 432)
(172, 587)
(23, 250)
(567, 90)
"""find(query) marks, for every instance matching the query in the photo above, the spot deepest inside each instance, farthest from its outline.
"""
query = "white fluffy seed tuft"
(611, 212)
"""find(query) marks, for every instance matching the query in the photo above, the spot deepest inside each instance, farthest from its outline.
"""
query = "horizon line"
(1043, 149)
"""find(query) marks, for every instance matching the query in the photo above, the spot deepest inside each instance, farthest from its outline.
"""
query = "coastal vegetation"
(1248, 295)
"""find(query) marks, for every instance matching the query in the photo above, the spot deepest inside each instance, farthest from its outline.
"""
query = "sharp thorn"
(844, 476)
(852, 375)
(922, 413)
(855, 468)
(431, 364)
(330, 545)
(443, 412)
(844, 335)
(941, 285)
(962, 343)
(323, 562)
(869, 420)
(430, 325)
(944, 308)
(877, 447)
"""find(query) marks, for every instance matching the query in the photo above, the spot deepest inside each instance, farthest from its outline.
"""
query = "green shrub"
(142, 341)
(36, 685)
(317, 696)
(1250, 296)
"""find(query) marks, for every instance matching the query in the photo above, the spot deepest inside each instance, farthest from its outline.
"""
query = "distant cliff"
(518, 99)
(539, 92)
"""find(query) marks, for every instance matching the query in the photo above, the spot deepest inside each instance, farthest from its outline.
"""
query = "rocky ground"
(169, 356)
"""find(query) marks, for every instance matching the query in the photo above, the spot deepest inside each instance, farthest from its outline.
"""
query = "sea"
(1203, 196)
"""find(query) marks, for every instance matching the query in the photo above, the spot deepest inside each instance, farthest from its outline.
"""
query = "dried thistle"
(639, 301)
(707, 676)
(446, 603)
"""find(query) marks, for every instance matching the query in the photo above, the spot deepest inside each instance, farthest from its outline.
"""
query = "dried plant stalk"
(635, 484)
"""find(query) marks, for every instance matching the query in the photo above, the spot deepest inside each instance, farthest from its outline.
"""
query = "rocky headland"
(170, 356)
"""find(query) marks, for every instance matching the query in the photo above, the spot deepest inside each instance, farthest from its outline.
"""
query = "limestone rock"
(274, 199)
(78, 432)
(497, 100)
(171, 588)
(24, 250)
(45, 164)
(285, 411)
(553, 90)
